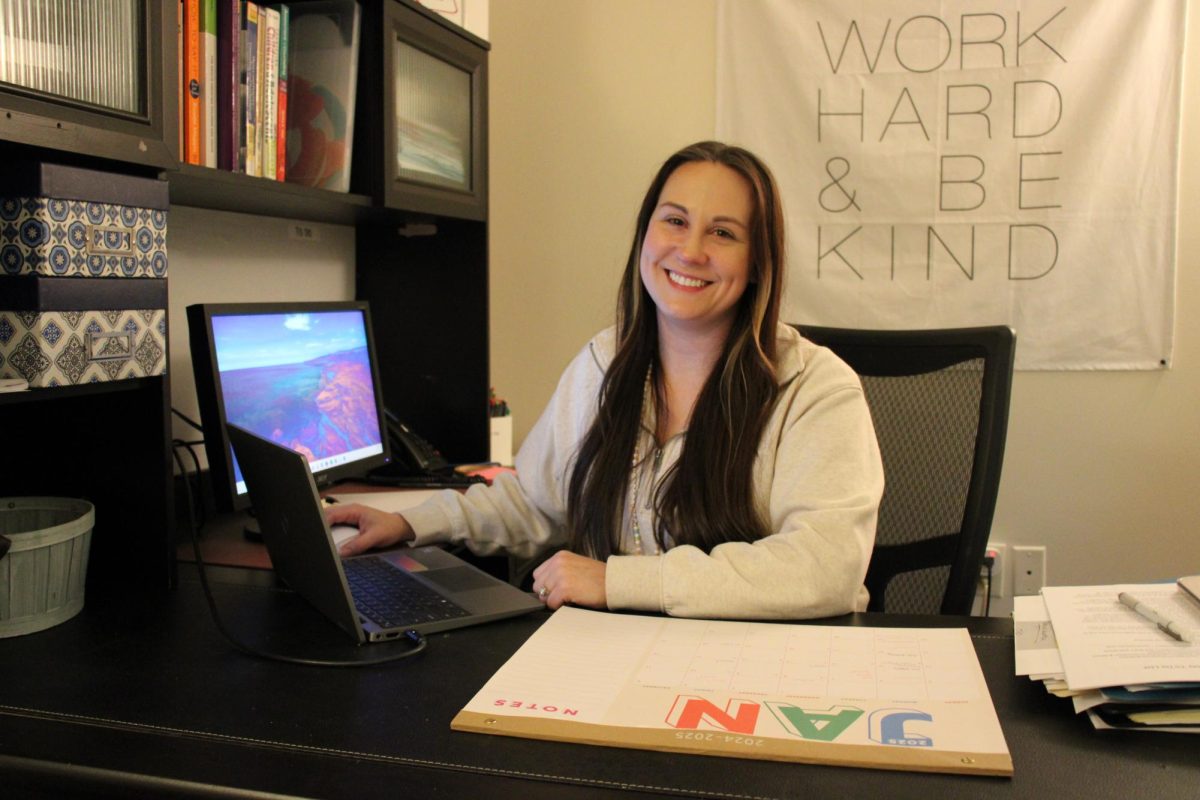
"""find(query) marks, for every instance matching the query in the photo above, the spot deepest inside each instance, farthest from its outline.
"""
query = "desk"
(136, 698)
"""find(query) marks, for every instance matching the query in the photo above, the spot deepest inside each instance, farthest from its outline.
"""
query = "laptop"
(373, 597)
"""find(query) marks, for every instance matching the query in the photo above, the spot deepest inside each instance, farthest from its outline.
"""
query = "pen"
(1165, 625)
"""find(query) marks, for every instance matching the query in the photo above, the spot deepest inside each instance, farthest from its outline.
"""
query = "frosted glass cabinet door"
(433, 119)
(422, 146)
(85, 52)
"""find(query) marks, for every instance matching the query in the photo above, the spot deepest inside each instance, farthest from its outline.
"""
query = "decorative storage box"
(83, 286)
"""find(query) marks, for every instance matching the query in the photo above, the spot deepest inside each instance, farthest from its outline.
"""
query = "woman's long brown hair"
(708, 496)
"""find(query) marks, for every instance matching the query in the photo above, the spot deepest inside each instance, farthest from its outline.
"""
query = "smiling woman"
(695, 259)
(698, 458)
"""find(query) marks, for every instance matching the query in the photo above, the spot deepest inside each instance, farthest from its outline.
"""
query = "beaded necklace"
(635, 482)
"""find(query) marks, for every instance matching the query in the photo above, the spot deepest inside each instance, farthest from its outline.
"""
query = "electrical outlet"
(999, 586)
(1029, 570)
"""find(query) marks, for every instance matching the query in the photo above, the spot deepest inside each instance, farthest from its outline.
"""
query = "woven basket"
(43, 574)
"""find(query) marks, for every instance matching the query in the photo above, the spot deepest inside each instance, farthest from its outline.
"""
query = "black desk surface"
(142, 697)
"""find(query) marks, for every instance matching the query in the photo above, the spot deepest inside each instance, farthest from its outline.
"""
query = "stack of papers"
(1115, 664)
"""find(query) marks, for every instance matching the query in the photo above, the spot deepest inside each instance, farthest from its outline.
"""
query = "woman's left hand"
(568, 577)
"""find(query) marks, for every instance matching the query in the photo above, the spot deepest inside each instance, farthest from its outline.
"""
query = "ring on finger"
(542, 593)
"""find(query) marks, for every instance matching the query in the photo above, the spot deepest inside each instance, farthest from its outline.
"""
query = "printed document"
(1104, 643)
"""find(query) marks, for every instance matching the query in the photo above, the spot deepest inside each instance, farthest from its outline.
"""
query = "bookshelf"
(112, 442)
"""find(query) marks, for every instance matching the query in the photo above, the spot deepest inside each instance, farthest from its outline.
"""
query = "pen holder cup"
(502, 440)
(42, 575)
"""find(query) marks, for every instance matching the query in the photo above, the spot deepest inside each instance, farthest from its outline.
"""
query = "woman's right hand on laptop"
(375, 528)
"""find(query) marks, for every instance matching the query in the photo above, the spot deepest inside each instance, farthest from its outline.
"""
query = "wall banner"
(966, 163)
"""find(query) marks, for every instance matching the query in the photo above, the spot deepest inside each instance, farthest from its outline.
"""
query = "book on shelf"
(192, 138)
(250, 86)
(208, 83)
(269, 59)
(234, 85)
(282, 94)
(259, 78)
(180, 77)
(229, 118)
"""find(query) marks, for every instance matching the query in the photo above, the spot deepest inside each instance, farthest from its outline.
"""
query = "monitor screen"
(300, 374)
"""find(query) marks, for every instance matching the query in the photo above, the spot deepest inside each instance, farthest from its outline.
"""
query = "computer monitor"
(301, 374)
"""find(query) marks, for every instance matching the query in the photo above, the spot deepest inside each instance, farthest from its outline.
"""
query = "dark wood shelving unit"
(424, 269)
(38, 395)
(204, 187)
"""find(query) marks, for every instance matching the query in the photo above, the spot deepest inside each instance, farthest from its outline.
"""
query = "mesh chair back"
(939, 401)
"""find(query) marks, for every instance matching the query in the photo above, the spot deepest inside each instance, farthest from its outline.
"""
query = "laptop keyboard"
(391, 598)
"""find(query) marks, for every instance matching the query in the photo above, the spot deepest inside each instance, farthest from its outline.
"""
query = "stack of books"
(234, 85)
(1127, 655)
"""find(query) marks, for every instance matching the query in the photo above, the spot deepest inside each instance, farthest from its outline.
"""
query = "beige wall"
(587, 98)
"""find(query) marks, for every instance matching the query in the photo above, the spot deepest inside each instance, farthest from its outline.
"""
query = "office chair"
(939, 401)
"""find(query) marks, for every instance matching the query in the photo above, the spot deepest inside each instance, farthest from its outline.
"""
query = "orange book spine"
(191, 34)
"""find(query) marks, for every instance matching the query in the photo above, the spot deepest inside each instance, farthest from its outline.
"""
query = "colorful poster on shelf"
(323, 74)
